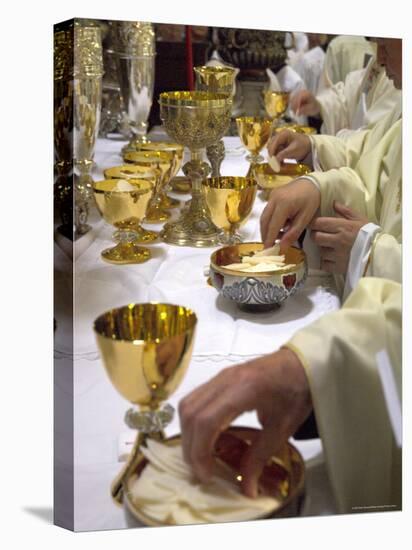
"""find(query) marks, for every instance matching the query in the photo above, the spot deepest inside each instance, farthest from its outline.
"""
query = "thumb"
(345, 212)
(255, 458)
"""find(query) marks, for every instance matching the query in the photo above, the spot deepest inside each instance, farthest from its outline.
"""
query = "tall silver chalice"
(87, 96)
(135, 50)
(195, 120)
(78, 73)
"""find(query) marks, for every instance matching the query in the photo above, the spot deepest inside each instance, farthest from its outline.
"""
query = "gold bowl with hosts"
(282, 480)
(256, 291)
(268, 180)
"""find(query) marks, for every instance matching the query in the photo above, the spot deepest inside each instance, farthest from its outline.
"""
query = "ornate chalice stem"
(194, 226)
(150, 425)
(216, 154)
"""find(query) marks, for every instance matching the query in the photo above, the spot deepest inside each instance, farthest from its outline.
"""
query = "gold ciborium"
(133, 171)
(230, 201)
(123, 204)
(163, 163)
(195, 120)
(146, 350)
(276, 104)
(177, 151)
(218, 80)
(254, 133)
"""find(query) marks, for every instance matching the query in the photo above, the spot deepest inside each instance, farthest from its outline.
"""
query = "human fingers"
(279, 142)
(294, 229)
(189, 409)
(269, 441)
(322, 238)
(267, 215)
(297, 99)
(326, 225)
(277, 221)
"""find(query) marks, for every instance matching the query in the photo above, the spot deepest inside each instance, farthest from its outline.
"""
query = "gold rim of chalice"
(197, 99)
(288, 478)
(234, 254)
(146, 349)
(276, 102)
(124, 209)
(267, 179)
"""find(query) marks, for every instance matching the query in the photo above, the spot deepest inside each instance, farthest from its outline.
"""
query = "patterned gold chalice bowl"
(123, 204)
(132, 171)
(177, 151)
(230, 202)
(268, 180)
(146, 350)
(163, 163)
(254, 132)
(215, 79)
(257, 291)
(276, 103)
(196, 120)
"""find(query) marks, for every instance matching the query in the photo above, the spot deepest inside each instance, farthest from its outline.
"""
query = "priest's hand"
(305, 103)
(275, 386)
(289, 145)
(336, 236)
(289, 211)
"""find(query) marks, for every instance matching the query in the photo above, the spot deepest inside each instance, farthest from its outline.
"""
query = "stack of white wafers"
(167, 491)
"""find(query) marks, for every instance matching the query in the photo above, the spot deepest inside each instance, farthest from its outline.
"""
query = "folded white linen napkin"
(167, 492)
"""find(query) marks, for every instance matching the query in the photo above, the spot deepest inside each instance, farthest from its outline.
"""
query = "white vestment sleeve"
(338, 353)
(359, 256)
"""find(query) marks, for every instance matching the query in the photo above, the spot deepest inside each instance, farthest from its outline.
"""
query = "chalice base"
(156, 214)
(140, 235)
(191, 230)
(253, 158)
(126, 253)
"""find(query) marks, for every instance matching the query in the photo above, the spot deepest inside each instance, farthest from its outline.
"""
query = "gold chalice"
(195, 120)
(123, 203)
(162, 162)
(276, 103)
(216, 80)
(230, 201)
(267, 179)
(146, 350)
(254, 133)
(132, 171)
(177, 151)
